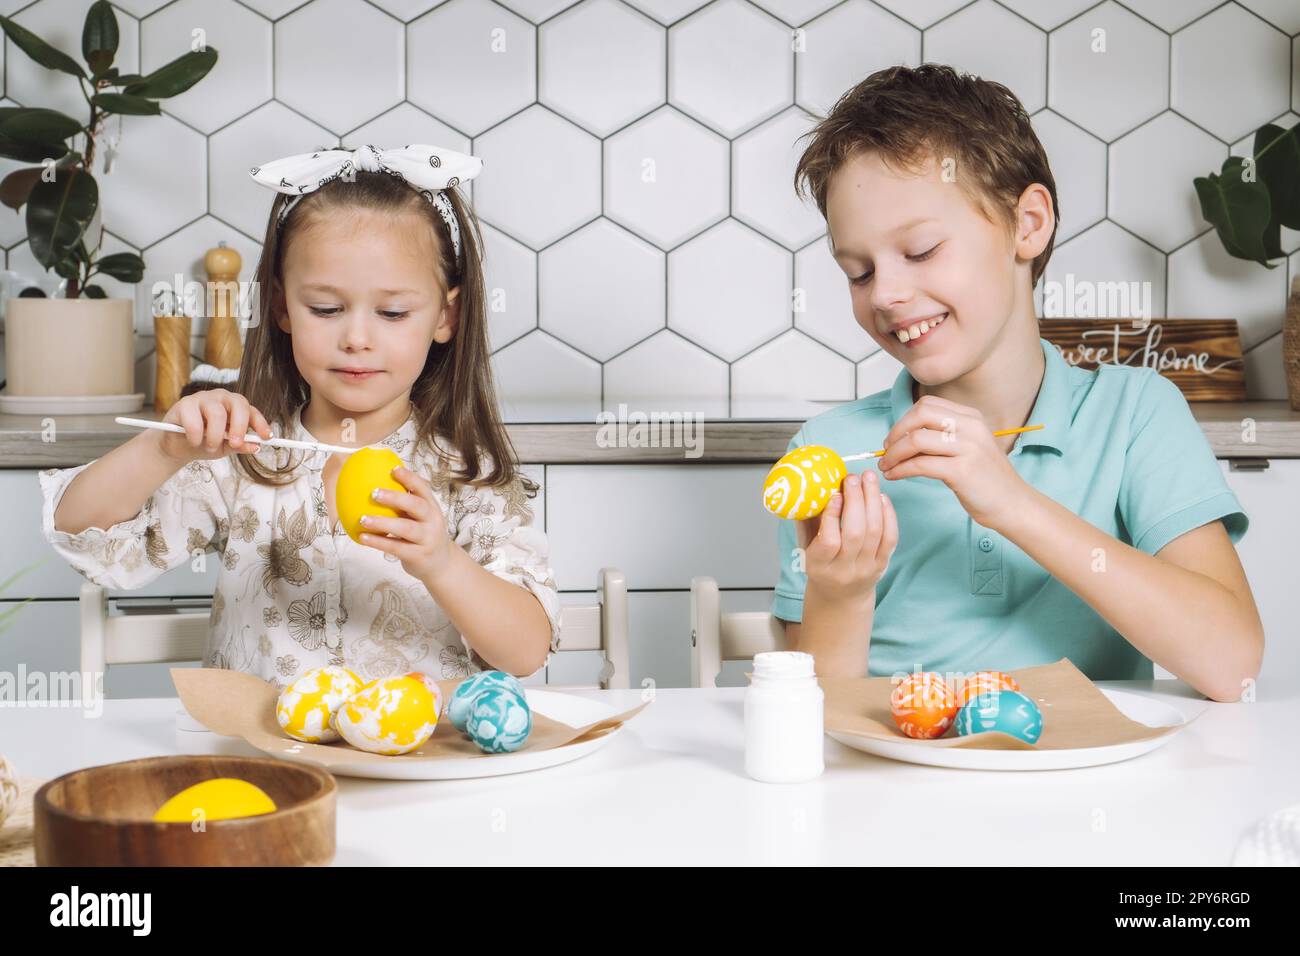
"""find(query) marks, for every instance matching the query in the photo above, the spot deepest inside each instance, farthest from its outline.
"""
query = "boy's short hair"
(909, 115)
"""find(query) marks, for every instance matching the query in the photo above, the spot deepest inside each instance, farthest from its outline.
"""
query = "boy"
(1105, 537)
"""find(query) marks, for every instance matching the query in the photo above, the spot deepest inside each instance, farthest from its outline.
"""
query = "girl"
(369, 328)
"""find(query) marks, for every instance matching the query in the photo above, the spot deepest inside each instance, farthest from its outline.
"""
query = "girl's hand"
(940, 439)
(215, 422)
(419, 540)
(847, 547)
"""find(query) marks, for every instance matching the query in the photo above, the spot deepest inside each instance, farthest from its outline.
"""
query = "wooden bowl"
(103, 816)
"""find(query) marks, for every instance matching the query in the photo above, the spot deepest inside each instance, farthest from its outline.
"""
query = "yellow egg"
(306, 705)
(801, 483)
(391, 715)
(222, 798)
(365, 470)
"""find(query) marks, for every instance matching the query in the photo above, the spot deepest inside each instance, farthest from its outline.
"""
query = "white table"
(671, 789)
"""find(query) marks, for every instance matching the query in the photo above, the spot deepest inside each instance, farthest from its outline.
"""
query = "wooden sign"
(1201, 356)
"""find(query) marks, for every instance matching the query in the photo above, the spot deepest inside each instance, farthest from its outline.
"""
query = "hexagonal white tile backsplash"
(644, 245)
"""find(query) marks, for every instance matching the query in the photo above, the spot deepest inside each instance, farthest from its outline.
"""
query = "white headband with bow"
(428, 169)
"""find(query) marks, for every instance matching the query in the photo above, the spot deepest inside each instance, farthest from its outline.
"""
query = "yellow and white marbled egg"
(800, 485)
(391, 715)
(306, 705)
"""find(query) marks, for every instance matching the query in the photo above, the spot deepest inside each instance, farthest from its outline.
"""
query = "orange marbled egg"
(924, 705)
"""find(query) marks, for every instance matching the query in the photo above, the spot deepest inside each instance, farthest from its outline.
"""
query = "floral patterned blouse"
(291, 592)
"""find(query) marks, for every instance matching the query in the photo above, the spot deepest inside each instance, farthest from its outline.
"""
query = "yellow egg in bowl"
(221, 798)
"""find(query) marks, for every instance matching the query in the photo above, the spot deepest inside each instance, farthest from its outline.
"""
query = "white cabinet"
(1270, 553)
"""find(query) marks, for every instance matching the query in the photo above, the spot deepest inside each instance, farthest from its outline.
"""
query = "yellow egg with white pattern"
(391, 715)
(801, 483)
(305, 706)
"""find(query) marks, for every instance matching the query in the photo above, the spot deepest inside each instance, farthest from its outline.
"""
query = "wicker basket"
(16, 825)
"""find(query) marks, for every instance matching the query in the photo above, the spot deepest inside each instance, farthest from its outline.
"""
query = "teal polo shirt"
(1119, 448)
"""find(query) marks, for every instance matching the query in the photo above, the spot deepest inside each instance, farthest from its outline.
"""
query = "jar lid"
(783, 665)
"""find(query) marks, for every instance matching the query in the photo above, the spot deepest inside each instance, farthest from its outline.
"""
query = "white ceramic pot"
(69, 347)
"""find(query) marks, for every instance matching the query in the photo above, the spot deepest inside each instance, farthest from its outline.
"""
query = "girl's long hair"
(454, 398)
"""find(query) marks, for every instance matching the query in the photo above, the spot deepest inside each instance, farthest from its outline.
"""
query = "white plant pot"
(69, 347)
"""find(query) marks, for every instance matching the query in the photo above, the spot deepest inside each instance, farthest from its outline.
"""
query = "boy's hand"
(847, 547)
(419, 540)
(940, 439)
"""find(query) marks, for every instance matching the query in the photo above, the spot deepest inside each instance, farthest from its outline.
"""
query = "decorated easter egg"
(1008, 711)
(923, 705)
(222, 798)
(391, 715)
(469, 688)
(801, 483)
(365, 470)
(438, 698)
(305, 707)
(984, 682)
(499, 720)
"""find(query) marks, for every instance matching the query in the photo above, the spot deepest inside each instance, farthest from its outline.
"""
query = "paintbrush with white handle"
(252, 437)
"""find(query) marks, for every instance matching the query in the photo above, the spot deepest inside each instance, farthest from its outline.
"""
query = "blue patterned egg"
(499, 720)
(470, 687)
(1008, 711)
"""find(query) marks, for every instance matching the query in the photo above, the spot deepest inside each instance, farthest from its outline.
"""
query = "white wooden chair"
(718, 637)
(600, 627)
(146, 635)
(137, 635)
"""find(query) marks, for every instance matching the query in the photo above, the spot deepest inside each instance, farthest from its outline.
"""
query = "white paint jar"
(783, 719)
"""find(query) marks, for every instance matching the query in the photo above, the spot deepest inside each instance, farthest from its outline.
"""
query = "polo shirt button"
(986, 544)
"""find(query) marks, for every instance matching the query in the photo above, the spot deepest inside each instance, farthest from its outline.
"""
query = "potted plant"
(82, 343)
(1248, 202)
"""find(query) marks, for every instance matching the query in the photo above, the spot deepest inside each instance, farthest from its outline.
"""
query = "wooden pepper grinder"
(223, 348)
(171, 329)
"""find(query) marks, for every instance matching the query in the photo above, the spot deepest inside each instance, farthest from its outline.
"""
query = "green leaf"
(26, 152)
(68, 269)
(17, 186)
(124, 266)
(11, 611)
(1238, 210)
(125, 103)
(177, 76)
(99, 37)
(43, 126)
(58, 213)
(1277, 162)
(95, 292)
(40, 51)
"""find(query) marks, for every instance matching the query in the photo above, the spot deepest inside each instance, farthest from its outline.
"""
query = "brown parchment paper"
(236, 704)
(1075, 713)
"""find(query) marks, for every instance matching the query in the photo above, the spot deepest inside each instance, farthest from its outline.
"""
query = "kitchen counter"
(25, 441)
(670, 788)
